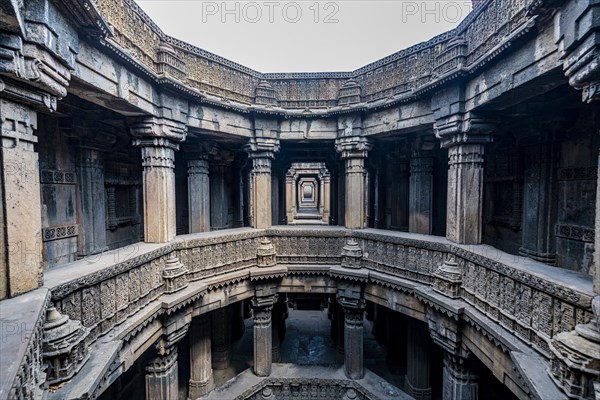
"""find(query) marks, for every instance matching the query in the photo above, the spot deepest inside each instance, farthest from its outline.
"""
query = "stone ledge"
(246, 385)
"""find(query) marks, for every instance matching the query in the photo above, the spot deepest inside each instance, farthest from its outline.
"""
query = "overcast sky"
(305, 35)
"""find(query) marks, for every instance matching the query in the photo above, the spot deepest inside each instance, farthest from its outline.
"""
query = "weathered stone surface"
(22, 254)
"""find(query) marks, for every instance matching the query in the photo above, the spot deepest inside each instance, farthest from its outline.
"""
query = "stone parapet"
(120, 284)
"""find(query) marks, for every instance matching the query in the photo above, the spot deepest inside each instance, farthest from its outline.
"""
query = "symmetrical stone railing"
(483, 34)
(533, 301)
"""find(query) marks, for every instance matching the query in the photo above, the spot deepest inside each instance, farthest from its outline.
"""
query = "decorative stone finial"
(265, 254)
(350, 93)
(448, 278)
(351, 254)
(575, 365)
(174, 274)
(265, 94)
(63, 347)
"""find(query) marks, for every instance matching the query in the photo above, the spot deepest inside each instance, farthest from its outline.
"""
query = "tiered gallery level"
(155, 199)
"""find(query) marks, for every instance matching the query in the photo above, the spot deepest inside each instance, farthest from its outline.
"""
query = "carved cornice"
(399, 77)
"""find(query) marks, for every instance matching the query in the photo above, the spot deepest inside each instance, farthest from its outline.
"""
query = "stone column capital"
(260, 147)
(446, 333)
(467, 128)
(145, 128)
(353, 146)
(175, 327)
(264, 303)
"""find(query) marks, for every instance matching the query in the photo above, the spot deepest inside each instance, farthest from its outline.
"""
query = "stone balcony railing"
(109, 293)
(485, 33)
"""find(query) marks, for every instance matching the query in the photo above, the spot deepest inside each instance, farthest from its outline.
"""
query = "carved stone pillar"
(353, 151)
(158, 139)
(220, 196)
(262, 152)
(421, 194)
(238, 193)
(540, 200)
(221, 337)
(290, 196)
(459, 383)
(465, 136)
(201, 374)
(351, 278)
(465, 194)
(353, 342)
(417, 375)
(161, 377)
(199, 194)
(397, 192)
(263, 336)
(162, 371)
(326, 193)
(277, 321)
(339, 339)
(20, 205)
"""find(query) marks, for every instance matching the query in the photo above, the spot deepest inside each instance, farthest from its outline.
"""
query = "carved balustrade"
(533, 301)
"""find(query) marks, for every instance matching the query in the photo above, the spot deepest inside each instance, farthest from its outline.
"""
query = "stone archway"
(308, 194)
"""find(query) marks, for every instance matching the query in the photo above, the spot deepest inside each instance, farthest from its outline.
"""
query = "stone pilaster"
(421, 194)
(262, 152)
(263, 336)
(417, 381)
(161, 377)
(201, 373)
(221, 338)
(199, 194)
(539, 197)
(20, 205)
(158, 138)
(354, 151)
